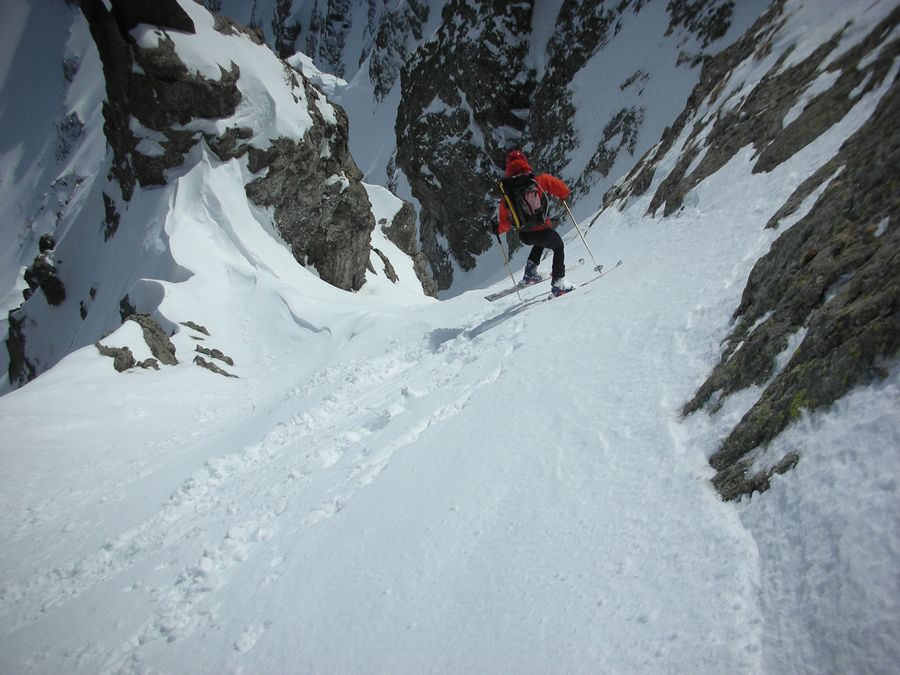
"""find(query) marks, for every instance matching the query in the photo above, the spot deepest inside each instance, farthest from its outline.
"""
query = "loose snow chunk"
(342, 179)
(326, 109)
(325, 82)
(150, 148)
(141, 131)
(437, 106)
(275, 108)
(147, 37)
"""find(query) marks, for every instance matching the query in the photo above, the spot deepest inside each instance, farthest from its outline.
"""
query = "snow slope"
(384, 491)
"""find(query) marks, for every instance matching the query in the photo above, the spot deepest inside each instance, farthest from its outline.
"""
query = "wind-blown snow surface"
(396, 484)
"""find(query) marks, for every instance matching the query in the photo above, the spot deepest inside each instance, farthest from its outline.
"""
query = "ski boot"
(560, 287)
(531, 276)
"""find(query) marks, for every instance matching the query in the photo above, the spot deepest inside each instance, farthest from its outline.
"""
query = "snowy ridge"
(268, 107)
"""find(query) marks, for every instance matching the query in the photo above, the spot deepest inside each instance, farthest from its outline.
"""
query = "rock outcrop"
(156, 339)
(402, 232)
(321, 208)
(831, 282)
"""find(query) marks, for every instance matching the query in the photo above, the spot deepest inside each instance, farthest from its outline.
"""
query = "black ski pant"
(541, 239)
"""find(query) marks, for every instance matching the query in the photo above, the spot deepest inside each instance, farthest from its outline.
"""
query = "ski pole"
(566, 204)
(506, 264)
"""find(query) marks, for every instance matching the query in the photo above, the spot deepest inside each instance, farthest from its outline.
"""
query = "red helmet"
(513, 155)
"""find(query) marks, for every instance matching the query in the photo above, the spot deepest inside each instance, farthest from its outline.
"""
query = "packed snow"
(398, 484)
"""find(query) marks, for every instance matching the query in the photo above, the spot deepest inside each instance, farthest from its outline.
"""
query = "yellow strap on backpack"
(510, 208)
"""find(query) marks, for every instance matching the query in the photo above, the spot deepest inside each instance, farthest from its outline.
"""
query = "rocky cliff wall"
(157, 113)
(831, 281)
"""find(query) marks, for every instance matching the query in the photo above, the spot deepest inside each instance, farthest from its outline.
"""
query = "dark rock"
(389, 270)
(450, 172)
(402, 233)
(117, 61)
(110, 217)
(707, 19)
(122, 357)
(162, 13)
(195, 326)
(227, 26)
(146, 364)
(203, 363)
(69, 130)
(321, 209)
(227, 145)
(160, 94)
(43, 274)
(46, 243)
(733, 483)
(159, 343)
(215, 354)
(126, 309)
(714, 73)
(166, 95)
(468, 95)
(20, 370)
(284, 31)
(333, 27)
(834, 274)
(391, 48)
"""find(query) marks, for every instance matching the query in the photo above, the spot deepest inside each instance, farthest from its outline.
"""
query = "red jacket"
(547, 183)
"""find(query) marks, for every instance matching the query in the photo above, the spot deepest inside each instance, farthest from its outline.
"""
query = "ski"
(514, 310)
(509, 291)
(599, 276)
(537, 299)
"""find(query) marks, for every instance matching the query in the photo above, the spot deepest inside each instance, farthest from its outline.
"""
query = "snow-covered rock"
(181, 84)
(830, 278)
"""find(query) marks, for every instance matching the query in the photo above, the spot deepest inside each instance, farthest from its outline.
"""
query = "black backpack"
(526, 200)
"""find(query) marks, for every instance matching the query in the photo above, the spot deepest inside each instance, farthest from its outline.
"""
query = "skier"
(537, 230)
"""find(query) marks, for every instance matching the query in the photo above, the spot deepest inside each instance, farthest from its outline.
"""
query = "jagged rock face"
(402, 232)
(330, 224)
(21, 369)
(164, 94)
(156, 338)
(321, 209)
(327, 34)
(43, 274)
(468, 96)
(833, 278)
(582, 27)
(392, 44)
(462, 96)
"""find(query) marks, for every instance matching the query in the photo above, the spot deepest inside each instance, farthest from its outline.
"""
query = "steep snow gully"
(518, 501)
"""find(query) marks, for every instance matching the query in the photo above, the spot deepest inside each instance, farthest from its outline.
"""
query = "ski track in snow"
(353, 418)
